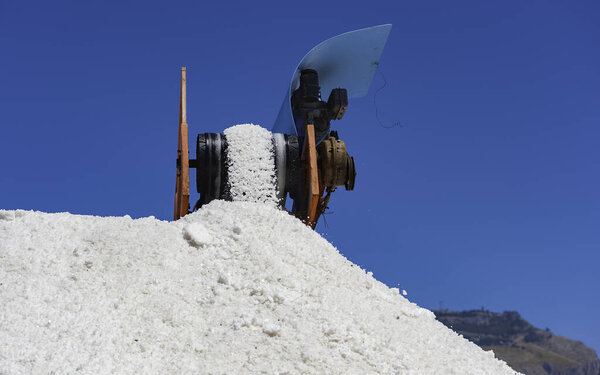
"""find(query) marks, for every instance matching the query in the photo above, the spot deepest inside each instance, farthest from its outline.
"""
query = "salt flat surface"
(236, 288)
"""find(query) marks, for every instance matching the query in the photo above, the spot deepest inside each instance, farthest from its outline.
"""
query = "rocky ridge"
(524, 347)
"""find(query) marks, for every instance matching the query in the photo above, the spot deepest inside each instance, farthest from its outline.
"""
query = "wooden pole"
(182, 182)
(312, 175)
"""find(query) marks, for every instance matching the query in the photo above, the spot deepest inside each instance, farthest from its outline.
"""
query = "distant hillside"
(525, 348)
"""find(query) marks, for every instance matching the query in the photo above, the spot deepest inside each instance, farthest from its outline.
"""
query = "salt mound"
(235, 288)
(250, 164)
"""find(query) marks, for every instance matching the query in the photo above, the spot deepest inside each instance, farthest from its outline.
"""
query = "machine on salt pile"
(310, 159)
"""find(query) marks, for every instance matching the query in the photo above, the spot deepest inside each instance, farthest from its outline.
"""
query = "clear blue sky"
(488, 195)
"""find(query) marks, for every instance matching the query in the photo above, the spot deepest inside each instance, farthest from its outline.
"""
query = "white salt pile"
(251, 164)
(235, 288)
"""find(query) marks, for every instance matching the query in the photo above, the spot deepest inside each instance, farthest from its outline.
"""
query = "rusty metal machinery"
(336, 167)
(307, 175)
(311, 161)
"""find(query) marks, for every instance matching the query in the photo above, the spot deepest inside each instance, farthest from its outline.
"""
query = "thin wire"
(325, 219)
(397, 123)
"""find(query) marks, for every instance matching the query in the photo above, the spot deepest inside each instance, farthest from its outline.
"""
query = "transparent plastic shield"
(347, 61)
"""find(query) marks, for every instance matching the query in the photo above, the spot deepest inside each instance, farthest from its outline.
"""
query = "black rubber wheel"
(293, 164)
(209, 167)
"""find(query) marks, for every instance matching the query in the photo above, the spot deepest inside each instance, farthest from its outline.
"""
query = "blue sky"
(487, 195)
